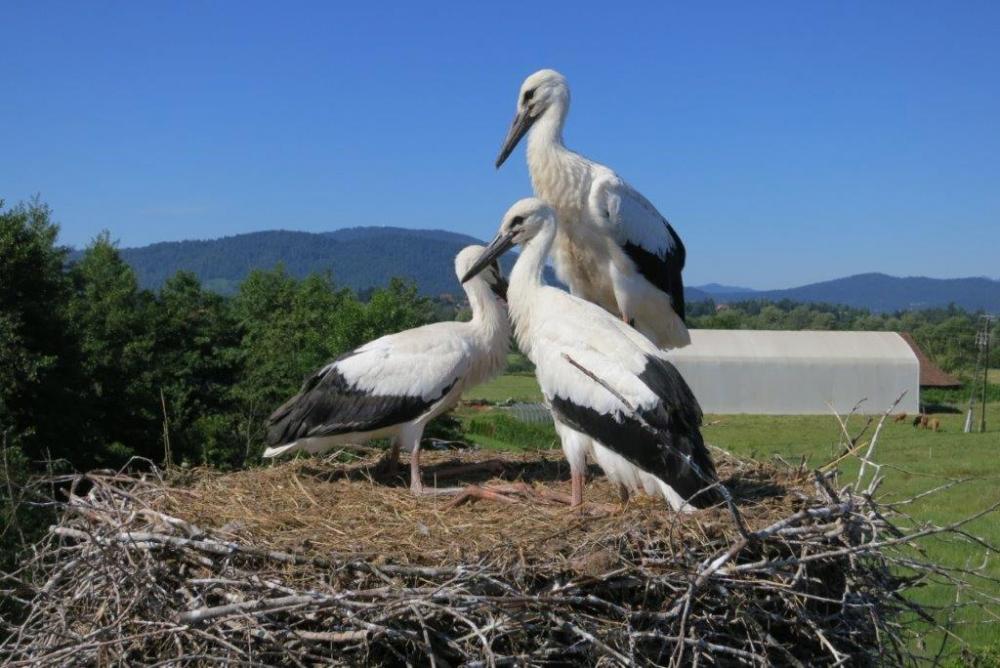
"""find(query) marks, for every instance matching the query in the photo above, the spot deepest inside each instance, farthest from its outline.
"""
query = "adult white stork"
(613, 247)
(393, 386)
(612, 393)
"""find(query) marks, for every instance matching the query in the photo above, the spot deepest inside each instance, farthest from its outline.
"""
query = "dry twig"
(233, 569)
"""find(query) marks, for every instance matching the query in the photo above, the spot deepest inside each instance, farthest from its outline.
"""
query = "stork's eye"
(528, 94)
(516, 220)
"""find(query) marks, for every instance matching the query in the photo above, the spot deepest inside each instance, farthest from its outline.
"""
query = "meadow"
(913, 460)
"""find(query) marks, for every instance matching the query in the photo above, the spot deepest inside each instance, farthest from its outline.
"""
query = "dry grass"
(324, 507)
(321, 562)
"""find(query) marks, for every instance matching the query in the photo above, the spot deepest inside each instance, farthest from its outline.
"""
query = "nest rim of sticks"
(146, 567)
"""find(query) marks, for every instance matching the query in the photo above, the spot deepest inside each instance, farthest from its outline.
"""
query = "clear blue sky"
(787, 142)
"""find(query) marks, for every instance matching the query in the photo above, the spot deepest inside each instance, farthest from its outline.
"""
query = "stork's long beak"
(499, 286)
(518, 128)
(500, 245)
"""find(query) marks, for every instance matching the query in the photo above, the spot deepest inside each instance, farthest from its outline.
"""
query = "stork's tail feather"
(280, 450)
(313, 445)
(677, 481)
(696, 480)
(282, 429)
(666, 331)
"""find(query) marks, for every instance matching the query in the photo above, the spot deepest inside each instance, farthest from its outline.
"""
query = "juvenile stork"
(613, 247)
(612, 393)
(393, 386)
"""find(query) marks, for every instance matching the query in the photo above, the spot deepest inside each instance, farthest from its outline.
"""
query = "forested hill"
(358, 258)
(883, 293)
(363, 257)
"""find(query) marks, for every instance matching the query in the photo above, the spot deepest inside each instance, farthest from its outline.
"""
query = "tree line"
(94, 370)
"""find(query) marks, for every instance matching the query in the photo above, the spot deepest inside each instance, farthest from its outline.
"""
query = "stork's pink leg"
(473, 492)
(576, 478)
(416, 485)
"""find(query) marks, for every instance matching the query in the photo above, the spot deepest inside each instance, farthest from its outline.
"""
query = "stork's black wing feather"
(645, 236)
(669, 445)
(664, 271)
(328, 405)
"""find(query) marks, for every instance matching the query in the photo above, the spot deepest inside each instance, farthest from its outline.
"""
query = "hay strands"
(126, 577)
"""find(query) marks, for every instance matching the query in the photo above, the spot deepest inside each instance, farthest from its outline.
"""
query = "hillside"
(719, 289)
(362, 257)
(880, 292)
(356, 257)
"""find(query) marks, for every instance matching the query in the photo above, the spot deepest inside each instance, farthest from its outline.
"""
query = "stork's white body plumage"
(640, 421)
(393, 386)
(612, 248)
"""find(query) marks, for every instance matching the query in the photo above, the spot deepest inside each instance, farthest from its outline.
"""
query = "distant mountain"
(719, 289)
(692, 295)
(358, 258)
(363, 257)
(880, 292)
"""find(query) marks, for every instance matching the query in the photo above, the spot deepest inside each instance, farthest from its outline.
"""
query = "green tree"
(39, 377)
(284, 325)
(394, 308)
(113, 320)
(196, 364)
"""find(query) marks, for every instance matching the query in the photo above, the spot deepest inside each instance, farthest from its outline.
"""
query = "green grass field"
(515, 386)
(914, 460)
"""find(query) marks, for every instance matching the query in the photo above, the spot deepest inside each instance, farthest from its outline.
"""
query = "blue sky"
(787, 142)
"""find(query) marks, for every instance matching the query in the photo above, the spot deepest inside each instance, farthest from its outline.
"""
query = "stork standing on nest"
(613, 248)
(612, 393)
(393, 386)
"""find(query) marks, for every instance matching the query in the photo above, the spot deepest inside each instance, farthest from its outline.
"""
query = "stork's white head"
(490, 274)
(525, 219)
(522, 222)
(542, 91)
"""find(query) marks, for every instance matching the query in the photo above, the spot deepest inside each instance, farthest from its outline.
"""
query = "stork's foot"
(475, 492)
(513, 493)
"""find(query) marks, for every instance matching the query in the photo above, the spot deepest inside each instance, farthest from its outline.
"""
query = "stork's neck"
(526, 281)
(527, 272)
(558, 175)
(546, 134)
(489, 317)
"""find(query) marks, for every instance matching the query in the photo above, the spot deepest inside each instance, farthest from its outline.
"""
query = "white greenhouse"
(799, 373)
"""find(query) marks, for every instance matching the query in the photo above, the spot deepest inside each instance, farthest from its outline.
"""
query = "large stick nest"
(321, 562)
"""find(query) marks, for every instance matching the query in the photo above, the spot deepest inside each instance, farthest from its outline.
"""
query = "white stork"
(612, 393)
(393, 386)
(613, 247)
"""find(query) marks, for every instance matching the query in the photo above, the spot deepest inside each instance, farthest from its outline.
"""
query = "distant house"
(799, 373)
(931, 375)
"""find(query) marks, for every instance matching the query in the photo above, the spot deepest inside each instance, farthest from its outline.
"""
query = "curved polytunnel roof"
(798, 372)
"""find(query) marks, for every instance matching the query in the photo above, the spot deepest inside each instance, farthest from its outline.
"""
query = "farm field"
(510, 386)
(914, 460)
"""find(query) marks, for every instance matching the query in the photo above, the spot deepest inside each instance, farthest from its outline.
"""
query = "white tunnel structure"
(799, 373)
